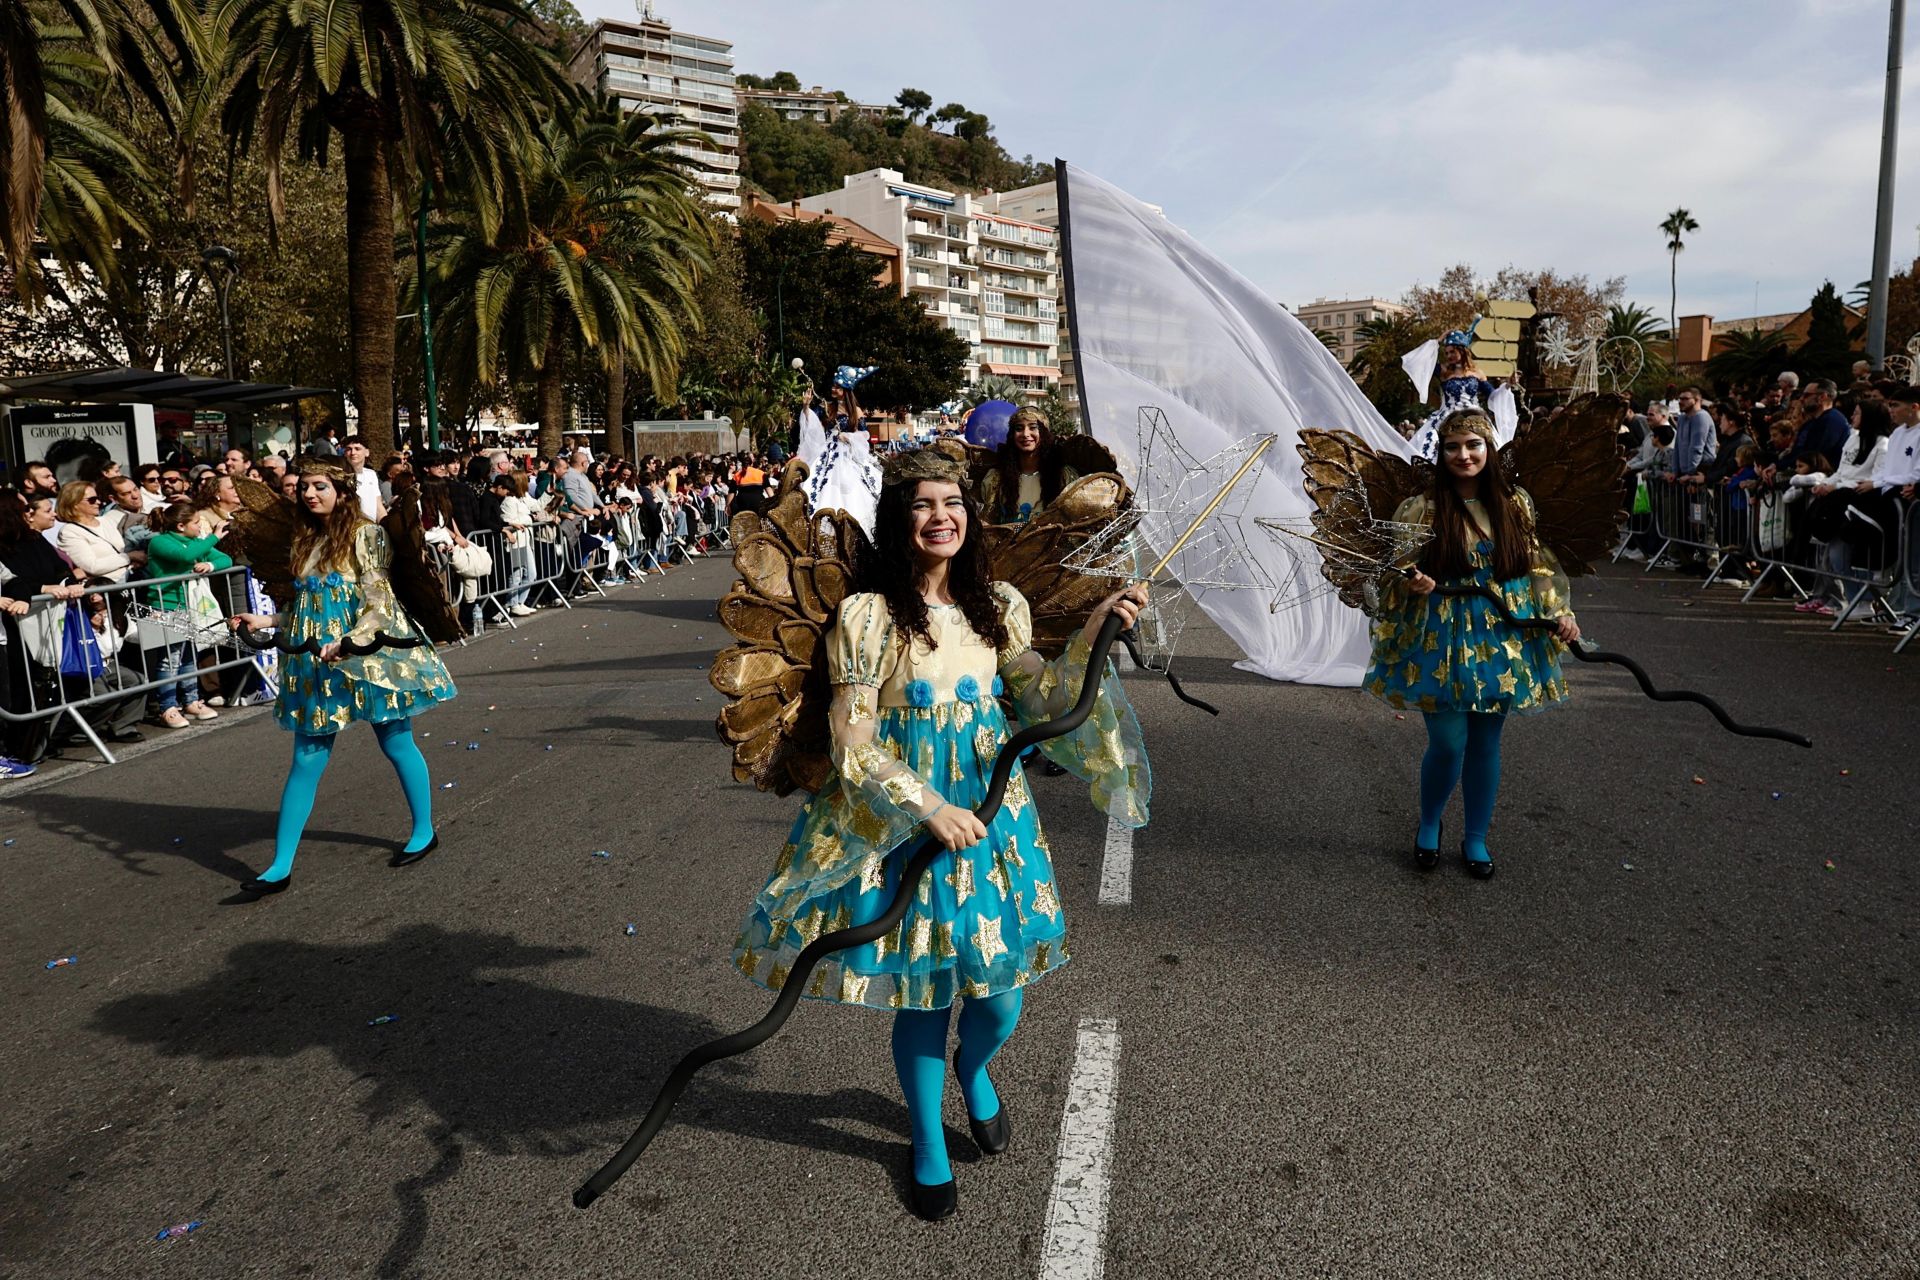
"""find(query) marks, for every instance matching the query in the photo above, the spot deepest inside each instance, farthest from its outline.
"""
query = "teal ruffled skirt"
(986, 920)
(388, 684)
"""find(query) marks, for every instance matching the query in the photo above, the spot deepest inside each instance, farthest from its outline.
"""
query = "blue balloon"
(987, 424)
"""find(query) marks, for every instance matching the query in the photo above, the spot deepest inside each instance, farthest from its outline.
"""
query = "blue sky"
(1344, 149)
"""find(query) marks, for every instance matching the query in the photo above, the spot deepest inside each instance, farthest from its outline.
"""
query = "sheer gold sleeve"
(1107, 751)
(372, 556)
(1552, 592)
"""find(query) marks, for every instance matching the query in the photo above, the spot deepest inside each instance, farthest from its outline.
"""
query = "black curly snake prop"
(1634, 669)
(348, 648)
(859, 935)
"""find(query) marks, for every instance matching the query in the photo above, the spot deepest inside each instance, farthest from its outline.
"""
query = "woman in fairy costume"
(1462, 386)
(1028, 472)
(1453, 658)
(916, 662)
(343, 591)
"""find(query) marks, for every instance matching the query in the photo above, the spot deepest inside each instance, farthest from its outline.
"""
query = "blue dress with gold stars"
(1455, 653)
(916, 727)
(354, 600)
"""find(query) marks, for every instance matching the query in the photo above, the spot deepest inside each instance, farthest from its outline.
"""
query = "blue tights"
(920, 1056)
(310, 754)
(1462, 747)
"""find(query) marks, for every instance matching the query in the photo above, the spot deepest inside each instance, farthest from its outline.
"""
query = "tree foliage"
(835, 312)
(1459, 295)
(789, 159)
(1376, 364)
(1827, 352)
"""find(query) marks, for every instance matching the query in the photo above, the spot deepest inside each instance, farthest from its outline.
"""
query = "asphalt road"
(1668, 1039)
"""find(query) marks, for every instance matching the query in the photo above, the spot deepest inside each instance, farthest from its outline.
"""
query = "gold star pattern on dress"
(961, 879)
(1018, 797)
(986, 939)
(1507, 682)
(748, 962)
(1044, 901)
(777, 977)
(808, 927)
(943, 941)
(853, 987)
(920, 942)
(1513, 647)
(873, 874)
(998, 876)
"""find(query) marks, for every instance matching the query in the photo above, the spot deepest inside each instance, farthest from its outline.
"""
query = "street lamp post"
(222, 265)
(1883, 221)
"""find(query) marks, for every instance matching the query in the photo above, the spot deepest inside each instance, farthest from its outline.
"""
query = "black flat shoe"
(1428, 859)
(1478, 868)
(991, 1136)
(262, 888)
(932, 1203)
(405, 859)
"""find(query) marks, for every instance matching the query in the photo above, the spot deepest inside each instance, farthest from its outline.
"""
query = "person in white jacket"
(1831, 494)
(517, 517)
(94, 546)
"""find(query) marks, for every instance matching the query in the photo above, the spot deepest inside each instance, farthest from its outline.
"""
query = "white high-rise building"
(651, 67)
(993, 277)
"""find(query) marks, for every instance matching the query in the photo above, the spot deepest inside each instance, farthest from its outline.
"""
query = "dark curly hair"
(1006, 461)
(891, 570)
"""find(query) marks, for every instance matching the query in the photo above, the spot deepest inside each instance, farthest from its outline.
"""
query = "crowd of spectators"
(69, 543)
(1800, 487)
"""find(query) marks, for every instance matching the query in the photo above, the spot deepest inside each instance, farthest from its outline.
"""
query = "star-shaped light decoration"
(1183, 536)
(1374, 545)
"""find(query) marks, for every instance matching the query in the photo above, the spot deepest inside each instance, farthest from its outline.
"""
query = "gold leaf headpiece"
(328, 467)
(1468, 420)
(944, 461)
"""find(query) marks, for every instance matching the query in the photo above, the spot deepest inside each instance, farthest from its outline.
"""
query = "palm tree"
(604, 260)
(1328, 338)
(447, 91)
(1376, 363)
(1676, 227)
(994, 386)
(64, 171)
(1749, 358)
(1632, 321)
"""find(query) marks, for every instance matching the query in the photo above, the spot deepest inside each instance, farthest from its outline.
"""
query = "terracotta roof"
(852, 232)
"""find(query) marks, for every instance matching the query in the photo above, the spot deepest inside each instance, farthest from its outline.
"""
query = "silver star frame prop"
(1195, 509)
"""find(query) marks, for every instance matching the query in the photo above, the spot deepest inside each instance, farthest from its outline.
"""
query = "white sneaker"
(216, 701)
(521, 611)
(1634, 554)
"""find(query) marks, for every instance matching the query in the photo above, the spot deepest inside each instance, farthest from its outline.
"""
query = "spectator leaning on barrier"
(91, 543)
(1834, 495)
(1823, 432)
(180, 545)
(32, 568)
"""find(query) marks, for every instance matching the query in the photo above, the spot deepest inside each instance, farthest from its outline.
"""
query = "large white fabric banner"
(1158, 321)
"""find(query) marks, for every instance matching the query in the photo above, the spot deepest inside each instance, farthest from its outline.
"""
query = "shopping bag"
(79, 646)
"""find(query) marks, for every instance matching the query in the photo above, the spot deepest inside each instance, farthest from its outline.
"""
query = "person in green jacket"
(180, 544)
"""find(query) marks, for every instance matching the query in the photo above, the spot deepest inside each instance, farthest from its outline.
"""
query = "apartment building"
(991, 277)
(651, 67)
(815, 104)
(1343, 319)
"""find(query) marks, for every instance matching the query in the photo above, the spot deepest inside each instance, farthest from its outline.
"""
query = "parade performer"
(1461, 387)
(894, 728)
(334, 574)
(842, 474)
(1029, 470)
(1512, 523)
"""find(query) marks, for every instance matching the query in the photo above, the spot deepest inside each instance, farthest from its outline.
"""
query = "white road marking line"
(1116, 867)
(1075, 1245)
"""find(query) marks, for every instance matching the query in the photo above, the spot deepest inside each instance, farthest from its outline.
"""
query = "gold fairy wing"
(1355, 490)
(1571, 464)
(1032, 557)
(794, 569)
(415, 575)
(1086, 455)
(261, 537)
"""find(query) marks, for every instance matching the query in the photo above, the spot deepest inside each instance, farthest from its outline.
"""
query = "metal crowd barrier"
(1856, 561)
(61, 647)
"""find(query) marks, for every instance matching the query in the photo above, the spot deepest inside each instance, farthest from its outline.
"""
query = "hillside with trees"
(951, 147)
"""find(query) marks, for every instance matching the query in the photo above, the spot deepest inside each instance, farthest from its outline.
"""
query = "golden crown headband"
(1472, 420)
(327, 467)
(931, 463)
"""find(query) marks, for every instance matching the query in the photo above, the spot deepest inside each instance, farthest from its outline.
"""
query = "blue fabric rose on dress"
(335, 580)
(999, 686)
(967, 689)
(919, 693)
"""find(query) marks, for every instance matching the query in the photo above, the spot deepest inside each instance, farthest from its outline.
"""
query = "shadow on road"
(503, 1064)
(134, 830)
